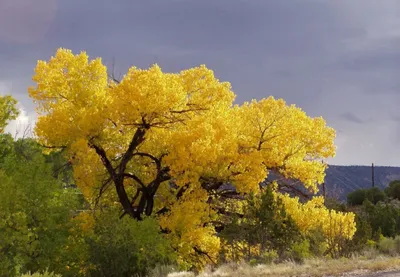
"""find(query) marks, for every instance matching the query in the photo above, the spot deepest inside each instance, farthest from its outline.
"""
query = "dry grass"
(311, 267)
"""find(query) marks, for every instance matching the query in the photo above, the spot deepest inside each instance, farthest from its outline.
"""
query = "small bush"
(300, 251)
(370, 244)
(126, 247)
(397, 242)
(390, 246)
(269, 257)
(317, 242)
(393, 190)
(369, 253)
(253, 262)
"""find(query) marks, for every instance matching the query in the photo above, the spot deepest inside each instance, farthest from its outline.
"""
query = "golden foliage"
(180, 135)
(313, 214)
(337, 227)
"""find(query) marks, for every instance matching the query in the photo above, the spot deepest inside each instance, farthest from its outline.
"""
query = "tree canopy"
(35, 210)
(357, 197)
(8, 111)
(393, 190)
(169, 144)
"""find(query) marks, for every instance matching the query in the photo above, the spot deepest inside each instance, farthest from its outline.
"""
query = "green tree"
(357, 197)
(362, 235)
(382, 217)
(393, 190)
(35, 209)
(375, 195)
(265, 224)
(124, 247)
(8, 111)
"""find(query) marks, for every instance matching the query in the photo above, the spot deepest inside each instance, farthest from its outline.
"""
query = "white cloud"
(22, 126)
(25, 122)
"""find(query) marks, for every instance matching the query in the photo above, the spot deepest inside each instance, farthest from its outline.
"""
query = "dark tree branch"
(210, 183)
(117, 178)
(113, 122)
(162, 176)
(156, 161)
(293, 189)
(134, 198)
(106, 162)
(189, 110)
(137, 139)
(103, 188)
(201, 252)
(137, 179)
(181, 191)
(162, 211)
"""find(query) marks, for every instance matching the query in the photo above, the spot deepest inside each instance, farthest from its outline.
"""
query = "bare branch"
(112, 75)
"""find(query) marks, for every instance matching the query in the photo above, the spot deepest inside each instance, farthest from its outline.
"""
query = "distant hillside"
(340, 180)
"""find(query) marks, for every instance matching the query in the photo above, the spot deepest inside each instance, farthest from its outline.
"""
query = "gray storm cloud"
(335, 59)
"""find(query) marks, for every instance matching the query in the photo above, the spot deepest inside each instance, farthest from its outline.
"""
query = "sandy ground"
(376, 274)
(383, 274)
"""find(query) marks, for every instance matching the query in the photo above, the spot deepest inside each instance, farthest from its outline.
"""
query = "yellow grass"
(311, 267)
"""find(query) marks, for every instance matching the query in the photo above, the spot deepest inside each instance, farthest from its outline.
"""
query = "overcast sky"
(339, 59)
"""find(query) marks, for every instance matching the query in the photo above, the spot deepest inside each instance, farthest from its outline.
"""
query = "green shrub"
(300, 251)
(269, 257)
(397, 242)
(357, 197)
(370, 243)
(368, 253)
(253, 262)
(35, 210)
(126, 247)
(390, 246)
(265, 224)
(317, 242)
(393, 190)
(375, 195)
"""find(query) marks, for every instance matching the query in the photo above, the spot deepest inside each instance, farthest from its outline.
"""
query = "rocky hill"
(340, 180)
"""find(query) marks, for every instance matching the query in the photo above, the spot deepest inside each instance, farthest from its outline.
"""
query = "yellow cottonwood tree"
(167, 144)
(337, 227)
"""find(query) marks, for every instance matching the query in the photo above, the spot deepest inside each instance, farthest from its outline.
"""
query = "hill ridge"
(342, 179)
